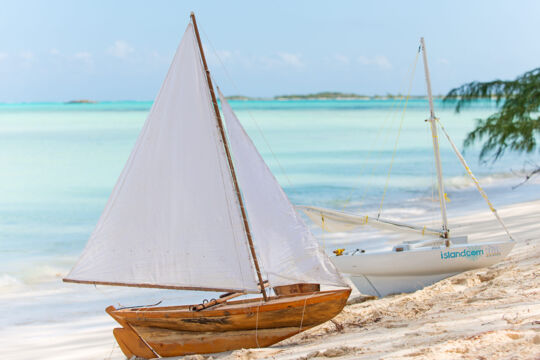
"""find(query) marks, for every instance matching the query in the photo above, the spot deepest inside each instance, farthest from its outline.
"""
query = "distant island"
(325, 95)
(82, 101)
(242, 97)
(322, 96)
(329, 95)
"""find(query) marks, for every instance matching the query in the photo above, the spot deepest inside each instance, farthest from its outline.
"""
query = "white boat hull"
(389, 272)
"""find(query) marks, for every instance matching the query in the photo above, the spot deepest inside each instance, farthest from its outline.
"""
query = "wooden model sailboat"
(185, 215)
(413, 264)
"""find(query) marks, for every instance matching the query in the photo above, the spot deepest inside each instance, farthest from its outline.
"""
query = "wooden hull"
(176, 331)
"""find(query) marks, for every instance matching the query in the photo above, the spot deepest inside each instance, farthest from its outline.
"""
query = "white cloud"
(120, 49)
(216, 58)
(343, 59)
(154, 55)
(291, 59)
(276, 60)
(443, 61)
(155, 58)
(54, 51)
(3, 56)
(281, 59)
(27, 55)
(265, 61)
(224, 55)
(83, 56)
(363, 60)
(380, 61)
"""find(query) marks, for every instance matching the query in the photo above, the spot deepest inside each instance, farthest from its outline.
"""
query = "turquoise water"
(60, 161)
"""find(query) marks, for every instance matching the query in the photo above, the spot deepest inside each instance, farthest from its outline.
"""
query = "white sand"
(490, 313)
(62, 340)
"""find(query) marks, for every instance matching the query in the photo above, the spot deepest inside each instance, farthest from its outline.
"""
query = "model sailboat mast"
(229, 159)
(433, 124)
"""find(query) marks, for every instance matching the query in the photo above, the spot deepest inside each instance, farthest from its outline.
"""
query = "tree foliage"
(516, 126)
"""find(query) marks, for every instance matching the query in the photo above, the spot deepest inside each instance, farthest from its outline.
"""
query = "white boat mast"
(433, 122)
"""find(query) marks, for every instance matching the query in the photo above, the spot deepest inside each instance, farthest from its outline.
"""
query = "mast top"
(428, 81)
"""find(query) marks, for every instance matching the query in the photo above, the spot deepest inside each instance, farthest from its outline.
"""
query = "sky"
(120, 50)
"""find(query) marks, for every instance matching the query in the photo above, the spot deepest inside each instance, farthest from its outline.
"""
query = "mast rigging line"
(261, 133)
(267, 143)
(363, 169)
(474, 179)
(399, 132)
(384, 126)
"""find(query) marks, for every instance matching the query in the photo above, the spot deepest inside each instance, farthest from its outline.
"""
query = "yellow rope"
(323, 227)
(399, 132)
(475, 180)
(303, 311)
(257, 326)
(372, 150)
(382, 128)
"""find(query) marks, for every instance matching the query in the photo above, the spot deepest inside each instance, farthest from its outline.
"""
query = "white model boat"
(411, 265)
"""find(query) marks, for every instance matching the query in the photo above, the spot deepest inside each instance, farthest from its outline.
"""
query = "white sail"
(338, 221)
(287, 251)
(173, 219)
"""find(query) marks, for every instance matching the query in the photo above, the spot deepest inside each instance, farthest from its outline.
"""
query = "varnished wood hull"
(176, 331)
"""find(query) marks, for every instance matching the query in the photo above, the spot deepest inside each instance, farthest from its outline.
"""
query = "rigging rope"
(390, 115)
(474, 179)
(112, 350)
(248, 111)
(257, 326)
(399, 133)
(303, 311)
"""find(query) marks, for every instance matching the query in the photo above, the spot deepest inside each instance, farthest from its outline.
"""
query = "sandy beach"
(490, 313)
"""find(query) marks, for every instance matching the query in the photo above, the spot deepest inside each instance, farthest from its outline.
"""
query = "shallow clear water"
(59, 163)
